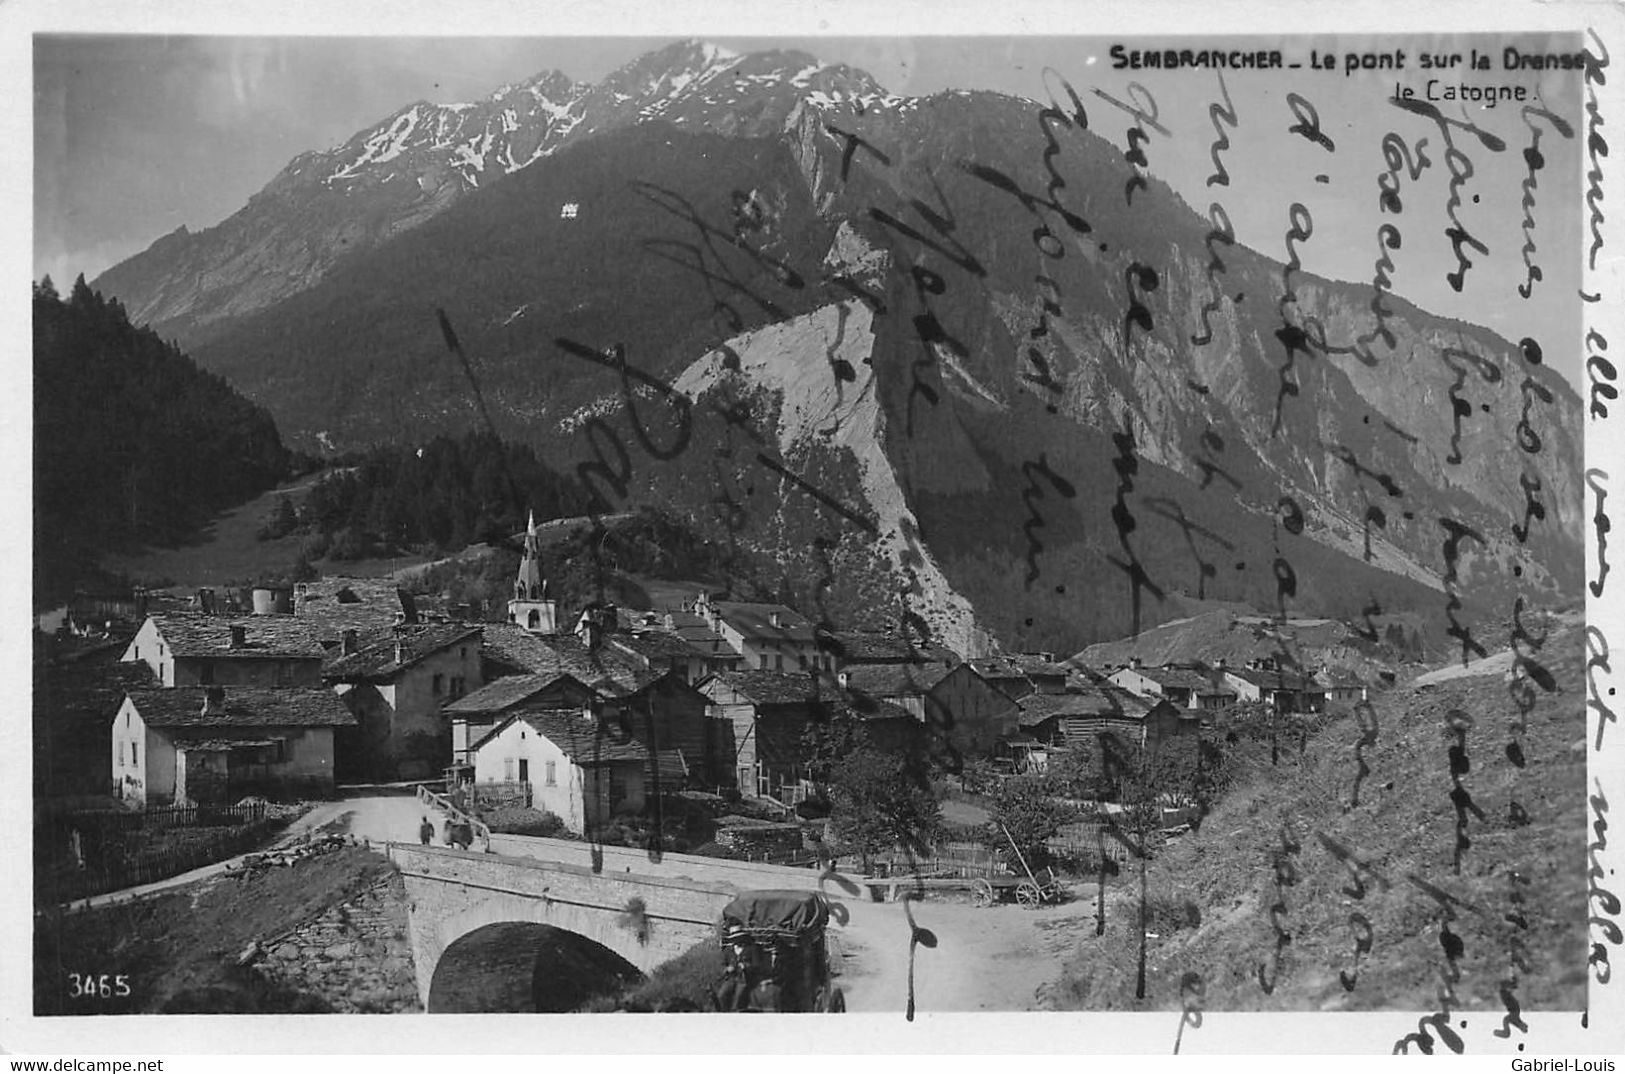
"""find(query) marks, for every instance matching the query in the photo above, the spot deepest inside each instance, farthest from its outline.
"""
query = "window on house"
(778, 662)
(439, 684)
(507, 769)
(762, 661)
(134, 748)
(552, 773)
(458, 686)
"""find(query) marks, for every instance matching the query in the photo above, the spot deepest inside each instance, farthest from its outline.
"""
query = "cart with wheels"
(776, 955)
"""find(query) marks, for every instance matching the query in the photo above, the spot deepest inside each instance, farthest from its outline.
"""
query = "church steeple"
(530, 606)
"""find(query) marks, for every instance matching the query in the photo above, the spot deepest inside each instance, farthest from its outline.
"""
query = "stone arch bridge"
(457, 899)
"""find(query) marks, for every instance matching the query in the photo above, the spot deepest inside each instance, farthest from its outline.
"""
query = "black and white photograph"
(893, 519)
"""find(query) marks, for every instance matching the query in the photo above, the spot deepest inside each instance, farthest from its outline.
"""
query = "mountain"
(412, 165)
(841, 283)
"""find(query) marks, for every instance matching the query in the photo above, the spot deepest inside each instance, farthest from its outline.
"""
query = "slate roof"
(1017, 666)
(775, 687)
(244, 706)
(376, 660)
(1033, 664)
(1178, 678)
(333, 605)
(1097, 701)
(587, 744)
(869, 708)
(756, 620)
(697, 632)
(1277, 680)
(611, 673)
(655, 645)
(895, 680)
(865, 647)
(506, 692)
(271, 636)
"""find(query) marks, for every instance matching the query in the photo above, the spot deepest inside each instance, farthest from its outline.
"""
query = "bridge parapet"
(744, 875)
(451, 893)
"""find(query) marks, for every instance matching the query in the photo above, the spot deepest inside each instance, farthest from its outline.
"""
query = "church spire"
(530, 585)
(530, 606)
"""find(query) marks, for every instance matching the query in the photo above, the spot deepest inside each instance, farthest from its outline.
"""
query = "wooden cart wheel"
(1027, 894)
(982, 893)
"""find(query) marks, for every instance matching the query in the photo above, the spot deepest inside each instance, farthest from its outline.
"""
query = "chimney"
(401, 650)
(349, 643)
(205, 601)
(140, 594)
(239, 636)
(214, 701)
(1134, 662)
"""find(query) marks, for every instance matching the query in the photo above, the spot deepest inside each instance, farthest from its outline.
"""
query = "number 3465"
(98, 986)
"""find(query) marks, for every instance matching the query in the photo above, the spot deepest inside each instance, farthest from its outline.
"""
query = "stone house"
(477, 715)
(770, 637)
(655, 702)
(655, 650)
(209, 650)
(577, 765)
(1187, 687)
(214, 744)
(1341, 686)
(1284, 691)
(695, 632)
(398, 683)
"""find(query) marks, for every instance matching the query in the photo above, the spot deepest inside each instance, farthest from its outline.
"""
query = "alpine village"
(473, 619)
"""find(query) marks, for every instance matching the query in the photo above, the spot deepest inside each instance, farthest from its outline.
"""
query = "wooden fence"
(187, 816)
(111, 867)
(499, 795)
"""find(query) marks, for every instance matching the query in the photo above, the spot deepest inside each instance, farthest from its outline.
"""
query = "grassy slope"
(228, 552)
(1404, 826)
(184, 944)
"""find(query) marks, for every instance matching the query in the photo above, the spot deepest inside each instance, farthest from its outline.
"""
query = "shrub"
(684, 983)
(520, 820)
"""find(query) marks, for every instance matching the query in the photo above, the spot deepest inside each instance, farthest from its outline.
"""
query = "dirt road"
(998, 958)
(380, 819)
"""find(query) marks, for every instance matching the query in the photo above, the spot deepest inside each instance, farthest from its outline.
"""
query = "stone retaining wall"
(356, 955)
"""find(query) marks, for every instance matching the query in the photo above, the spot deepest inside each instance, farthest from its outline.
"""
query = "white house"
(576, 767)
(208, 744)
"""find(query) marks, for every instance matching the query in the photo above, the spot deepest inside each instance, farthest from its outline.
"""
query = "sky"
(136, 135)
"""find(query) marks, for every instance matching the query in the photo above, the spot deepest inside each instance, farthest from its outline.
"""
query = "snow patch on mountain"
(471, 154)
(385, 145)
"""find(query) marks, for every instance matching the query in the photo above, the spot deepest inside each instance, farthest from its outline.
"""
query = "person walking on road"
(426, 832)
